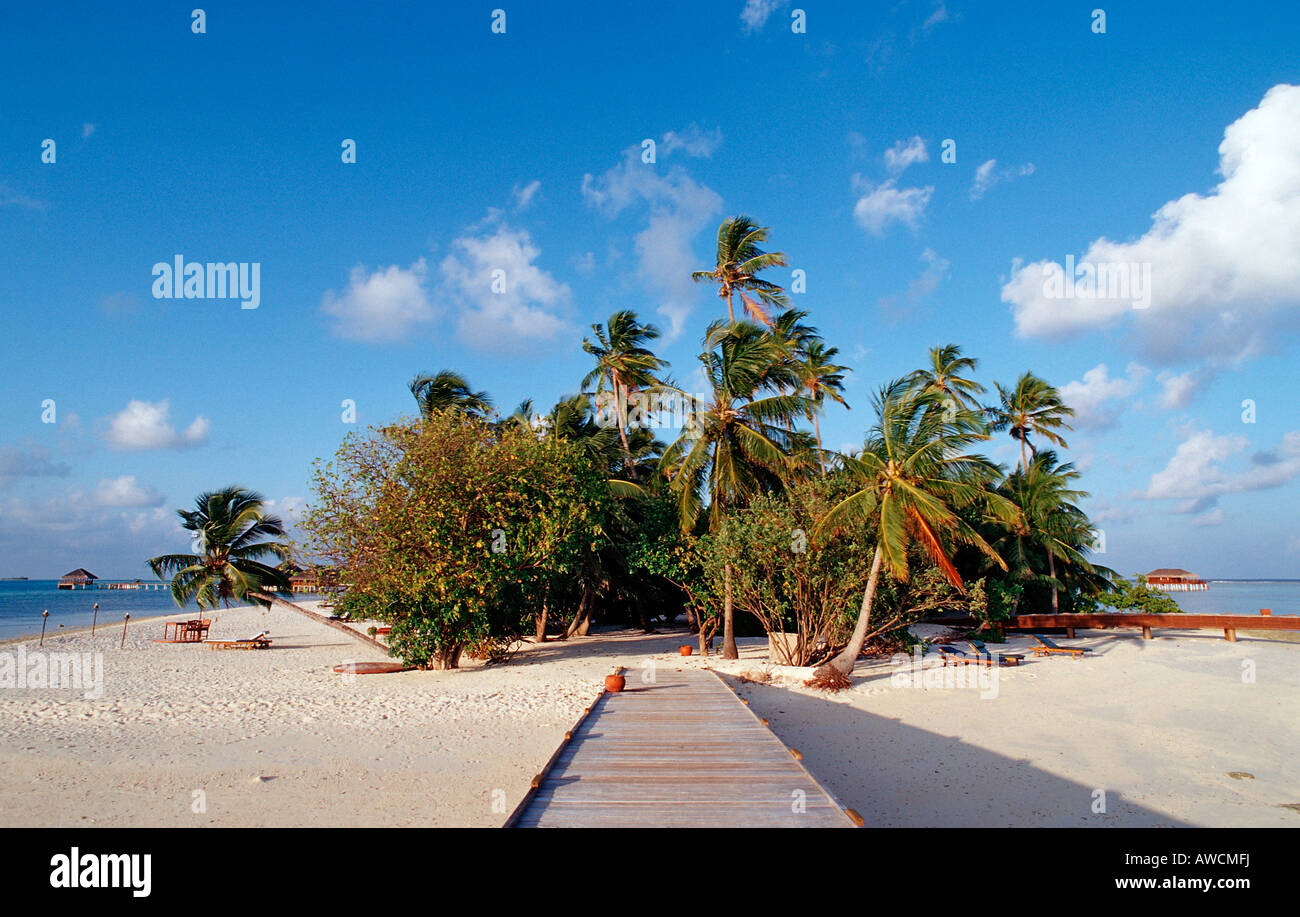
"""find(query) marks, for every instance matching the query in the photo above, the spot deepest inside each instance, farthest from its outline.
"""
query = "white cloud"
(883, 204)
(677, 210)
(1098, 399)
(505, 299)
(1178, 389)
(756, 12)
(692, 141)
(523, 197)
(147, 425)
(386, 305)
(1224, 273)
(1213, 517)
(987, 175)
(940, 15)
(905, 153)
(1196, 476)
(125, 491)
(29, 461)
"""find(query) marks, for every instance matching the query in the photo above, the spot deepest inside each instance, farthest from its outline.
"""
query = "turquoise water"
(21, 604)
(1242, 598)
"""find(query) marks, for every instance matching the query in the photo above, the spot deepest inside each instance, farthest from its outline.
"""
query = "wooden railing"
(1229, 624)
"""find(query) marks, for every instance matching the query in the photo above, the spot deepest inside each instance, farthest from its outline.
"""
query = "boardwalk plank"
(683, 752)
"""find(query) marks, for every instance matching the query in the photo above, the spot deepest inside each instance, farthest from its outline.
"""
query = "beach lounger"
(982, 652)
(949, 653)
(1047, 648)
(260, 642)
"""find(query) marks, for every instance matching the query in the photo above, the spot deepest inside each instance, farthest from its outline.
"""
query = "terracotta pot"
(614, 683)
(686, 650)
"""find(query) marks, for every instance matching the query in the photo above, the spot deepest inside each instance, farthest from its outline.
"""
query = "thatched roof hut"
(78, 578)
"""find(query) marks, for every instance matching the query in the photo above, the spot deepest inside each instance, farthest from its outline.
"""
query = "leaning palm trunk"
(821, 455)
(621, 392)
(728, 617)
(844, 662)
(579, 622)
(1051, 569)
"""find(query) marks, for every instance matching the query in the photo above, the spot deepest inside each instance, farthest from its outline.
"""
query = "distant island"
(13, 579)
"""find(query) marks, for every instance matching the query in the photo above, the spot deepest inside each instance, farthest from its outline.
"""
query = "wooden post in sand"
(45, 616)
(126, 617)
(94, 619)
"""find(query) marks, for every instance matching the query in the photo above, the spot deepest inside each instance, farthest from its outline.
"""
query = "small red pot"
(686, 650)
(614, 683)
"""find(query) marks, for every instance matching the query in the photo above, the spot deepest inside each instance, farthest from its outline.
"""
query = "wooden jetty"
(1229, 624)
(683, 751)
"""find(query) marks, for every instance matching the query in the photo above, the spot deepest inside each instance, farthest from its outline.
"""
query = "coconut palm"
(734, 446)
(230, 526)
(819, 379)
(1050, 527)
(447, 389)
(739, 260)
(916, 476)
(1032, 408)
(623, 364)
(944, 376)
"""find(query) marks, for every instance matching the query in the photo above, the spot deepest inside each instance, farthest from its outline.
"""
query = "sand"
(185, 735)
(1160, 733)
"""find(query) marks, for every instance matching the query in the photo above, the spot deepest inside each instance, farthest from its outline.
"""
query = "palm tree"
(944, 376)
(1050, 526)
(624, 364)
(915, 476)
(819, 379)
(1032, 408)
(735, 446)
(229, 526)
(739, 260)
(447, 389)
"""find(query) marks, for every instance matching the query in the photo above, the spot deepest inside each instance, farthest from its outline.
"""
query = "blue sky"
(521, 151)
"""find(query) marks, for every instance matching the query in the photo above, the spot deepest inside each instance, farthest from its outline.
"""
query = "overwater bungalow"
(1172, 579)
(80, 578)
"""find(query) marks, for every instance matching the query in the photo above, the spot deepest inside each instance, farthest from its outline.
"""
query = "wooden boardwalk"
(682, 752)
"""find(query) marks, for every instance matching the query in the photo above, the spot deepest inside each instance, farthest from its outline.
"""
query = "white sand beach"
(276, 738)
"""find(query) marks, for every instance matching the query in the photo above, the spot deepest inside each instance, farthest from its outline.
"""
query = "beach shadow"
(897, 775)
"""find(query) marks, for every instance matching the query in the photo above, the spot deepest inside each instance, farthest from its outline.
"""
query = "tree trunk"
(731, 310)
(620, 391)
(580, 617)
(1051, 568)
(541, 623)
(821, 457)
(446, 658)
(1024, 461)
(728, 618)
(844, 661)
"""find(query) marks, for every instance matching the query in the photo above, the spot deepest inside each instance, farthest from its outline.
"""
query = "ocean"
(22, 601)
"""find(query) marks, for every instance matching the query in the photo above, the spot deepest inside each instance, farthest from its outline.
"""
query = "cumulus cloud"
(381, 306)
(86, 130)
(693, 141)
(755, 13)
(677, 209)
(1177, 390)
(883, 204)
(145, 425)
(125, 491)
(1224, 273)
(1098, 398)
(905, 153)
(1196, 474)
(505, 299)
(988, 174)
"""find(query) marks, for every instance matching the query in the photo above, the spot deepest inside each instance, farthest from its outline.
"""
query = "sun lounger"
(949, 653)
(1046, 647)
(260, 642)
(982, 652)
